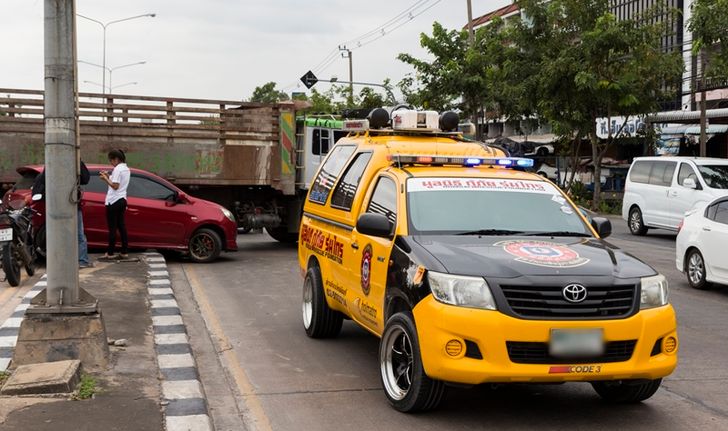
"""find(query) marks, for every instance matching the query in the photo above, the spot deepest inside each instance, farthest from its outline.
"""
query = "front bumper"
(438, 323)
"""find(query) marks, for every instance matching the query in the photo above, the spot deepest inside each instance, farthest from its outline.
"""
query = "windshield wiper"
(559, 233)
(492, 232)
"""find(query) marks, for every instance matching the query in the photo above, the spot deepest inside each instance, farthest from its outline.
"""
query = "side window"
(343, 195)
(686, 171)
(640, 172)
(329, 172)
(710, 212)
(721, 213)
(338, 134)
(661, 174)
(384, 199)
(325, 141)
(95, 184)
(142, 187)
(316, 142)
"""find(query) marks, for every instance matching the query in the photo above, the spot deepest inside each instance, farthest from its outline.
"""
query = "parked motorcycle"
(16, 241)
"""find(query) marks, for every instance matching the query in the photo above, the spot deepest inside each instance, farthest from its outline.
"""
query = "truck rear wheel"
(281, 234)
(319, 320)
(627, 391)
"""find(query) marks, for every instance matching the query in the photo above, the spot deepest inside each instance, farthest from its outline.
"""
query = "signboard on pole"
(309, 79)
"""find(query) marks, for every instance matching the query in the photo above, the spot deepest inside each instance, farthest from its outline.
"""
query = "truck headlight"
(460, 290)
(654, 291)
(226, 212)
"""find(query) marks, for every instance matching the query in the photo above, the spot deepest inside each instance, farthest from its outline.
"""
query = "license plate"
(576, 342)
(6, 234)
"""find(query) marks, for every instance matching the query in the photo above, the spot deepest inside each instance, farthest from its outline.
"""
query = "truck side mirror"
(375, 225)
(602, 225)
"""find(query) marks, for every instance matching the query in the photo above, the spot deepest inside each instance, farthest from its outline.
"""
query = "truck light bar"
(506, 162)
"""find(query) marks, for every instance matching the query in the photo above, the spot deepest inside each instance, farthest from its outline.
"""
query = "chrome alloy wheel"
(635, 221)
(307, 305)
(696, 269)
(396, 362)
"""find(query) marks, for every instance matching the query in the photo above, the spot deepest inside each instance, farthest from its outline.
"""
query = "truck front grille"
(522, 352)
(547, 302)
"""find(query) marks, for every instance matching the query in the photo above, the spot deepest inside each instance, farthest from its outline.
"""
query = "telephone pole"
(61, 153)
(471, 36)
(346, 53)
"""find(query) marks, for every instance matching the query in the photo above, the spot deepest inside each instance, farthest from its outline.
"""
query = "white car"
(659, 190)
(701, 244)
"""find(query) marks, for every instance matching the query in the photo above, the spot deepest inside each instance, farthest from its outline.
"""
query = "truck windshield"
(483, 206)
(715, 176)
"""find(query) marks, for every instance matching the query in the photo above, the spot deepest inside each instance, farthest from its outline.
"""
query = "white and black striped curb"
(186, 406)
(11, 327)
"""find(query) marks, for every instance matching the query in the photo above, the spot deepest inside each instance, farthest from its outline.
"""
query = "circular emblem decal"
(366, 268)
(574, 293)
(543, 253)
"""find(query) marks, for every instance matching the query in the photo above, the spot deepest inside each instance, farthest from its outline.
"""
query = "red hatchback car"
(158, 215)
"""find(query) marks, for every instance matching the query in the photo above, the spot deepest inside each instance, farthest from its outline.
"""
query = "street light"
(111, 70)
(104, 26)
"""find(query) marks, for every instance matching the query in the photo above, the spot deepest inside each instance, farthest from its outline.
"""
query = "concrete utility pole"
(61, 153)
(471, 35)
(346, 53)
(703, 109)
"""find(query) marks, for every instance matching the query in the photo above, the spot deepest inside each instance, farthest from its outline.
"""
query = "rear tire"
(40, 243)
(407, 387)
(281, 234)
(626, 391)
(205, 246)
(636, 223)
(319, 320)
(11, 266)
(695, 270)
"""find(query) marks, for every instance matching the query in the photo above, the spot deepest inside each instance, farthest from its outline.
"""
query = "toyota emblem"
(574, 293)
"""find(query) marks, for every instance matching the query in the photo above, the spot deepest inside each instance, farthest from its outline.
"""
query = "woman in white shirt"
(116, 202)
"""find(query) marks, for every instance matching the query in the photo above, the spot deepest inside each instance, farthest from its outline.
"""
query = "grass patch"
(4, 375)
(87, 388)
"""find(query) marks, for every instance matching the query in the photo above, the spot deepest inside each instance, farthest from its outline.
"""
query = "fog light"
(669, 345)
(454, 348)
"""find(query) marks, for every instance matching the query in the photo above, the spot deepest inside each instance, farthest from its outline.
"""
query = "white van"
(659, 190)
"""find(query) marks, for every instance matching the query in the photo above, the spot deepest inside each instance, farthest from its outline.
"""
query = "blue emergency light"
(505, 162)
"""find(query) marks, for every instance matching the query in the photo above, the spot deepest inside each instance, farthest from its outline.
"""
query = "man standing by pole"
(63, 321)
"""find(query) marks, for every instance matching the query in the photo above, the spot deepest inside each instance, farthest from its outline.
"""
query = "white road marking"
(167, 320)
(4, 363)
(176, 361)
(13, 322)
(170, 339)
(180, 389)
(162, 303)
(159, 282)
(188, 423)
(8, 341)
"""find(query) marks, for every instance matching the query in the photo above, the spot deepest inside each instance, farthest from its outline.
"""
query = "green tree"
(591, 65)
(709, 25)
(268, 93)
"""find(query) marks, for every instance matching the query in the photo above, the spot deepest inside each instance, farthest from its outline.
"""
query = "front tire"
(695, 270)
(626, 391)
(11, 266)
(407, 387)
(636, 223)
(319, 320)
(205, 246)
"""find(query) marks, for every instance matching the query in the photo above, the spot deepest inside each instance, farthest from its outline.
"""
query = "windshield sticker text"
(479, 184)
(543, 253)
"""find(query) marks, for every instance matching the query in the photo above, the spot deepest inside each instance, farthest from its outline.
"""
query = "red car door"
(94, 211)
(153, 219)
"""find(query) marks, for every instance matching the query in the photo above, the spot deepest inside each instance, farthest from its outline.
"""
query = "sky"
(223, 49)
